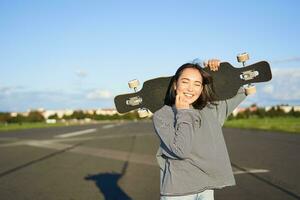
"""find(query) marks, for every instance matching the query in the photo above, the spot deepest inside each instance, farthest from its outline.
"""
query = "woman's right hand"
(181, 102)
(213, 64)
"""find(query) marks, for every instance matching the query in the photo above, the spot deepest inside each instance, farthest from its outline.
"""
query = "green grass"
(10, 127)
(30, 125)
(284, 124)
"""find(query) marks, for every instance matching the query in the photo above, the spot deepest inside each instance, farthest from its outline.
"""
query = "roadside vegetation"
(274, 119)
(36, 120)
(281, 124)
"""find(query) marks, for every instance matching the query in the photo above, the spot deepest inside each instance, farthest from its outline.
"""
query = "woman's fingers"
(213, 64)
(181, 102)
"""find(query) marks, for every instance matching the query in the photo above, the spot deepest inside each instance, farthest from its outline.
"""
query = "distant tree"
(91, 116)
(78, 114)
(254, 105)
(18, 119)
(35, 116)
(260, 112)
(243, 115)
(275, 111)
(230, 117)
(67, 117)
(55, 116)
(98, 117)
(294, 113)
(4, 117)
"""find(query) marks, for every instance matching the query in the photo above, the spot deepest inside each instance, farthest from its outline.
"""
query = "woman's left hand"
(213, 64)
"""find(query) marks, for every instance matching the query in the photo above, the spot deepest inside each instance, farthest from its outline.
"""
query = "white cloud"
(99, 94)
(268, 89)
(81, 73)
(282, 89)
(22, 100)
(8, 90)
(287, 60)
(5, 90)
(286, 72)
(286, 84)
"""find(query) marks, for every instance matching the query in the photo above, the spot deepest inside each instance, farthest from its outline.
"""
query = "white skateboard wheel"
(133, 83)
(243, 57)
(250, 89)
(143, 113)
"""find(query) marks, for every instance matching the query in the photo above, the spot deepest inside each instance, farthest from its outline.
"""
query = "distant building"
(241, 110)
(13, 114)
(108, 111)
(59, 113)
(69, 112)
(286, 109)
(91, 111)
(111, 111)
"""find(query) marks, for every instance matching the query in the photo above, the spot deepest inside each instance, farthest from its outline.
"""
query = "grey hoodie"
(192, 155)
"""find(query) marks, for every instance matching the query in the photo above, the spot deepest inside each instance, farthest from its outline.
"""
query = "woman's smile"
(189, 85)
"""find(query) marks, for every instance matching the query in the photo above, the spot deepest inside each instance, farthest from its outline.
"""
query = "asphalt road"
(117, 161)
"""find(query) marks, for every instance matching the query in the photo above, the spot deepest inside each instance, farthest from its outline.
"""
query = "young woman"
(192, 156)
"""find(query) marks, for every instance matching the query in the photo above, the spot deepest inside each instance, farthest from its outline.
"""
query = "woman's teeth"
(188, 95)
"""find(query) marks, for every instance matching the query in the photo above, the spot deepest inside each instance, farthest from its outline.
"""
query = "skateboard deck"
(227, 80)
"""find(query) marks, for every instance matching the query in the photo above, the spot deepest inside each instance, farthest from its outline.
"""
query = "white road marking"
(102, 153)
(13, 144)
(76, 133)
(110, 126)
(23, 142)
(110, 153)
(252, 171)
(105, 153)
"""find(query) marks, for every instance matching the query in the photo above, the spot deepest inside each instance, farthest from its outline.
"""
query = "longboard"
(227, 80)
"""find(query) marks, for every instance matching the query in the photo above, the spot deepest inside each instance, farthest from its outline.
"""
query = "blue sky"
(79, 54)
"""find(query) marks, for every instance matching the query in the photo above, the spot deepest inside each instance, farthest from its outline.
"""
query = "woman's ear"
(174, 86)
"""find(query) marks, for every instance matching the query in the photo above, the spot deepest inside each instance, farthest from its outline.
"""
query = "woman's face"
(189, 85)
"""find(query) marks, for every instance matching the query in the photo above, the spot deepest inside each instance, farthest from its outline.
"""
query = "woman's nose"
(190, 87)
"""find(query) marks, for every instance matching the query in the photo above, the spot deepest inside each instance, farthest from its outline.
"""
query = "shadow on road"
(108, 185)
(108, 182)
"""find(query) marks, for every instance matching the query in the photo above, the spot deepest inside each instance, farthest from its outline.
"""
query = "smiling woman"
(192, 86)
(192, 156)
(188, 87)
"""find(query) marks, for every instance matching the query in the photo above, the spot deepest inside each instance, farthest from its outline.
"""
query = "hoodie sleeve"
(224, 108)
(176, 138)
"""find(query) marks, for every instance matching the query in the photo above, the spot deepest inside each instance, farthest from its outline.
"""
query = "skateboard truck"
(247, 75)
(134, 101)
(137, 100)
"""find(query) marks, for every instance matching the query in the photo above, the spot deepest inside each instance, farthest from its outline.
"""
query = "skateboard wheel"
(133, 83)
(143, 113)
(250, 89)
(243, 57)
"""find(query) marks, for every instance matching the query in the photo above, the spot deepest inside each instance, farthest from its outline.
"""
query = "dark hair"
(207, 94)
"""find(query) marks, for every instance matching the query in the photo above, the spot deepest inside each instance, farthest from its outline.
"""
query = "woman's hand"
(181, 102)
(213, 64)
